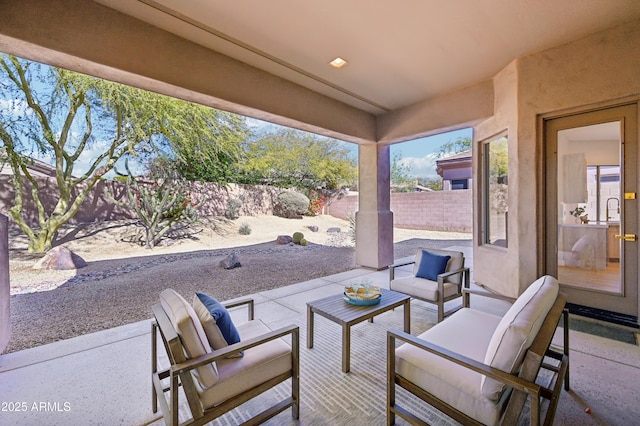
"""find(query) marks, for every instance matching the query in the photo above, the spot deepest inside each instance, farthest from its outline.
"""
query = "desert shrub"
(303, 242)
(244, 229)
(316, 202)
(291, 204)
(159, 205)
(297, 236)
(233, 208)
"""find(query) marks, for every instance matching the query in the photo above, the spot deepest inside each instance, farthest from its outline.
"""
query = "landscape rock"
(313, 228)
(60, 258)
(230, 262)
(284, 239)
(333, 231)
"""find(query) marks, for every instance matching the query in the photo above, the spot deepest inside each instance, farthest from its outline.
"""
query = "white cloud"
(422, 166)
(15, 107)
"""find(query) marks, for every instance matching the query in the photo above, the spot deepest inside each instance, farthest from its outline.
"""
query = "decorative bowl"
(362, 295)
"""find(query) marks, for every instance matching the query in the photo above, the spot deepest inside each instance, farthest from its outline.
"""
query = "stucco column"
(374, 219)
(5, 318)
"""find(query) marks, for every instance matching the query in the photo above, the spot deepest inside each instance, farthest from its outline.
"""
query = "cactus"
(297, 237)
(303, 242)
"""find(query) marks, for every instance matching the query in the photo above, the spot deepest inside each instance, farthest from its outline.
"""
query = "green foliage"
(434, 184)
(291, 158)
(291, 204)
(400, 171)
(213, 153)
(244, 229)
(455, 147)
(61, 114)
(303, 242)
(160, 204)
(233, 208)
(297, 237)
(498, 160)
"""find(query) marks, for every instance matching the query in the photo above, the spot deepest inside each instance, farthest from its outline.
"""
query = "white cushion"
(516, 331)
(456, 262)
(259, 364)
(192, 335)
(467, 332)
(422, 288)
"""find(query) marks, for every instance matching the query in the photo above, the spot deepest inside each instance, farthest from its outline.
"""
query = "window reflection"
(496, 191)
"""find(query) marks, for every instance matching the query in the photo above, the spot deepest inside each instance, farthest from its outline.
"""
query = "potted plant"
(579, 213)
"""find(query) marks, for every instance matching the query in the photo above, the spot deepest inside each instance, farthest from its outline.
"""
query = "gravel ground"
(113, 292)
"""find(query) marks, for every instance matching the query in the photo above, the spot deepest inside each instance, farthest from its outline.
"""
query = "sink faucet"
(617, 209)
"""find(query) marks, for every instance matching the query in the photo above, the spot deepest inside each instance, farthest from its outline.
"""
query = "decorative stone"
(230, 262)
(313, 228)
(284, 239)
(333, 231)
(60, 258)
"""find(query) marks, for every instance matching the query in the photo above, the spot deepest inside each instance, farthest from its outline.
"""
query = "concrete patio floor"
(104, 378)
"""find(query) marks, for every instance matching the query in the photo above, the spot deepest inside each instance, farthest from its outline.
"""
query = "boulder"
(230, 262)
(313, 228)
(60, 258)
(284, 239)
(333, 231)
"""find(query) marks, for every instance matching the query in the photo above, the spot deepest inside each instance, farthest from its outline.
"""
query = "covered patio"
(104, 378)
(542, 59)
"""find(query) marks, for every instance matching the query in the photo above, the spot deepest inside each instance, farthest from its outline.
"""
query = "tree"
(214, 155)
(62, 114)
(434, 184)
(160, 201)
(456, 146)
(400, 172)
(292, 158)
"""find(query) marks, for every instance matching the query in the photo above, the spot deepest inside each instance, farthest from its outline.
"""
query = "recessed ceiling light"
(338, 63)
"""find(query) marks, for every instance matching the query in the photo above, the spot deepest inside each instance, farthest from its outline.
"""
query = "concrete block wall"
(437, 211)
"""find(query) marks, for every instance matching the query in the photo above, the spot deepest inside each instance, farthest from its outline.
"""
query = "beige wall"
(437, 211)
(592, 72)
(126, 50)
(5, 309)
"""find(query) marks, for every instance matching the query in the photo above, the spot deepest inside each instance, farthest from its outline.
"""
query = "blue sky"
(420, 155)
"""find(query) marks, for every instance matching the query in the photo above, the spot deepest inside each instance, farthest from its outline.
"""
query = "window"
(495, 192)
(459, 184)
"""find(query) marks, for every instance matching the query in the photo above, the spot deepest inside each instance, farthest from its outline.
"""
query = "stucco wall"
(592, 72)
(5, 317)
(438, 210)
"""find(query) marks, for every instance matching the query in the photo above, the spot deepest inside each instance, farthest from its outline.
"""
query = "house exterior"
(583, 72)
(456, 171)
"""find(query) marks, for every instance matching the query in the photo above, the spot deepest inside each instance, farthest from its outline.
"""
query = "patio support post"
(5, 317)
(374, 219)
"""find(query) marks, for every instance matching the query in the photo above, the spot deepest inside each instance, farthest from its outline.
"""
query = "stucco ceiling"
(398, 53)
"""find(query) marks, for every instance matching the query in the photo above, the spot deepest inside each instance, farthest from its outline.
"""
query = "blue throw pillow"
(221, 317)
(431, 265)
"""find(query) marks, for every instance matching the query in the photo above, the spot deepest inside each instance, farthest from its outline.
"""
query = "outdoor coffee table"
(337, 310)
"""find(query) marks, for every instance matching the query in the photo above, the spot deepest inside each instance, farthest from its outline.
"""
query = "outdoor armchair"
(480, 368)
(434, 279)
(217, 381)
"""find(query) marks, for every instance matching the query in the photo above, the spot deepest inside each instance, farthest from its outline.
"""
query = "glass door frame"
(626, 303)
